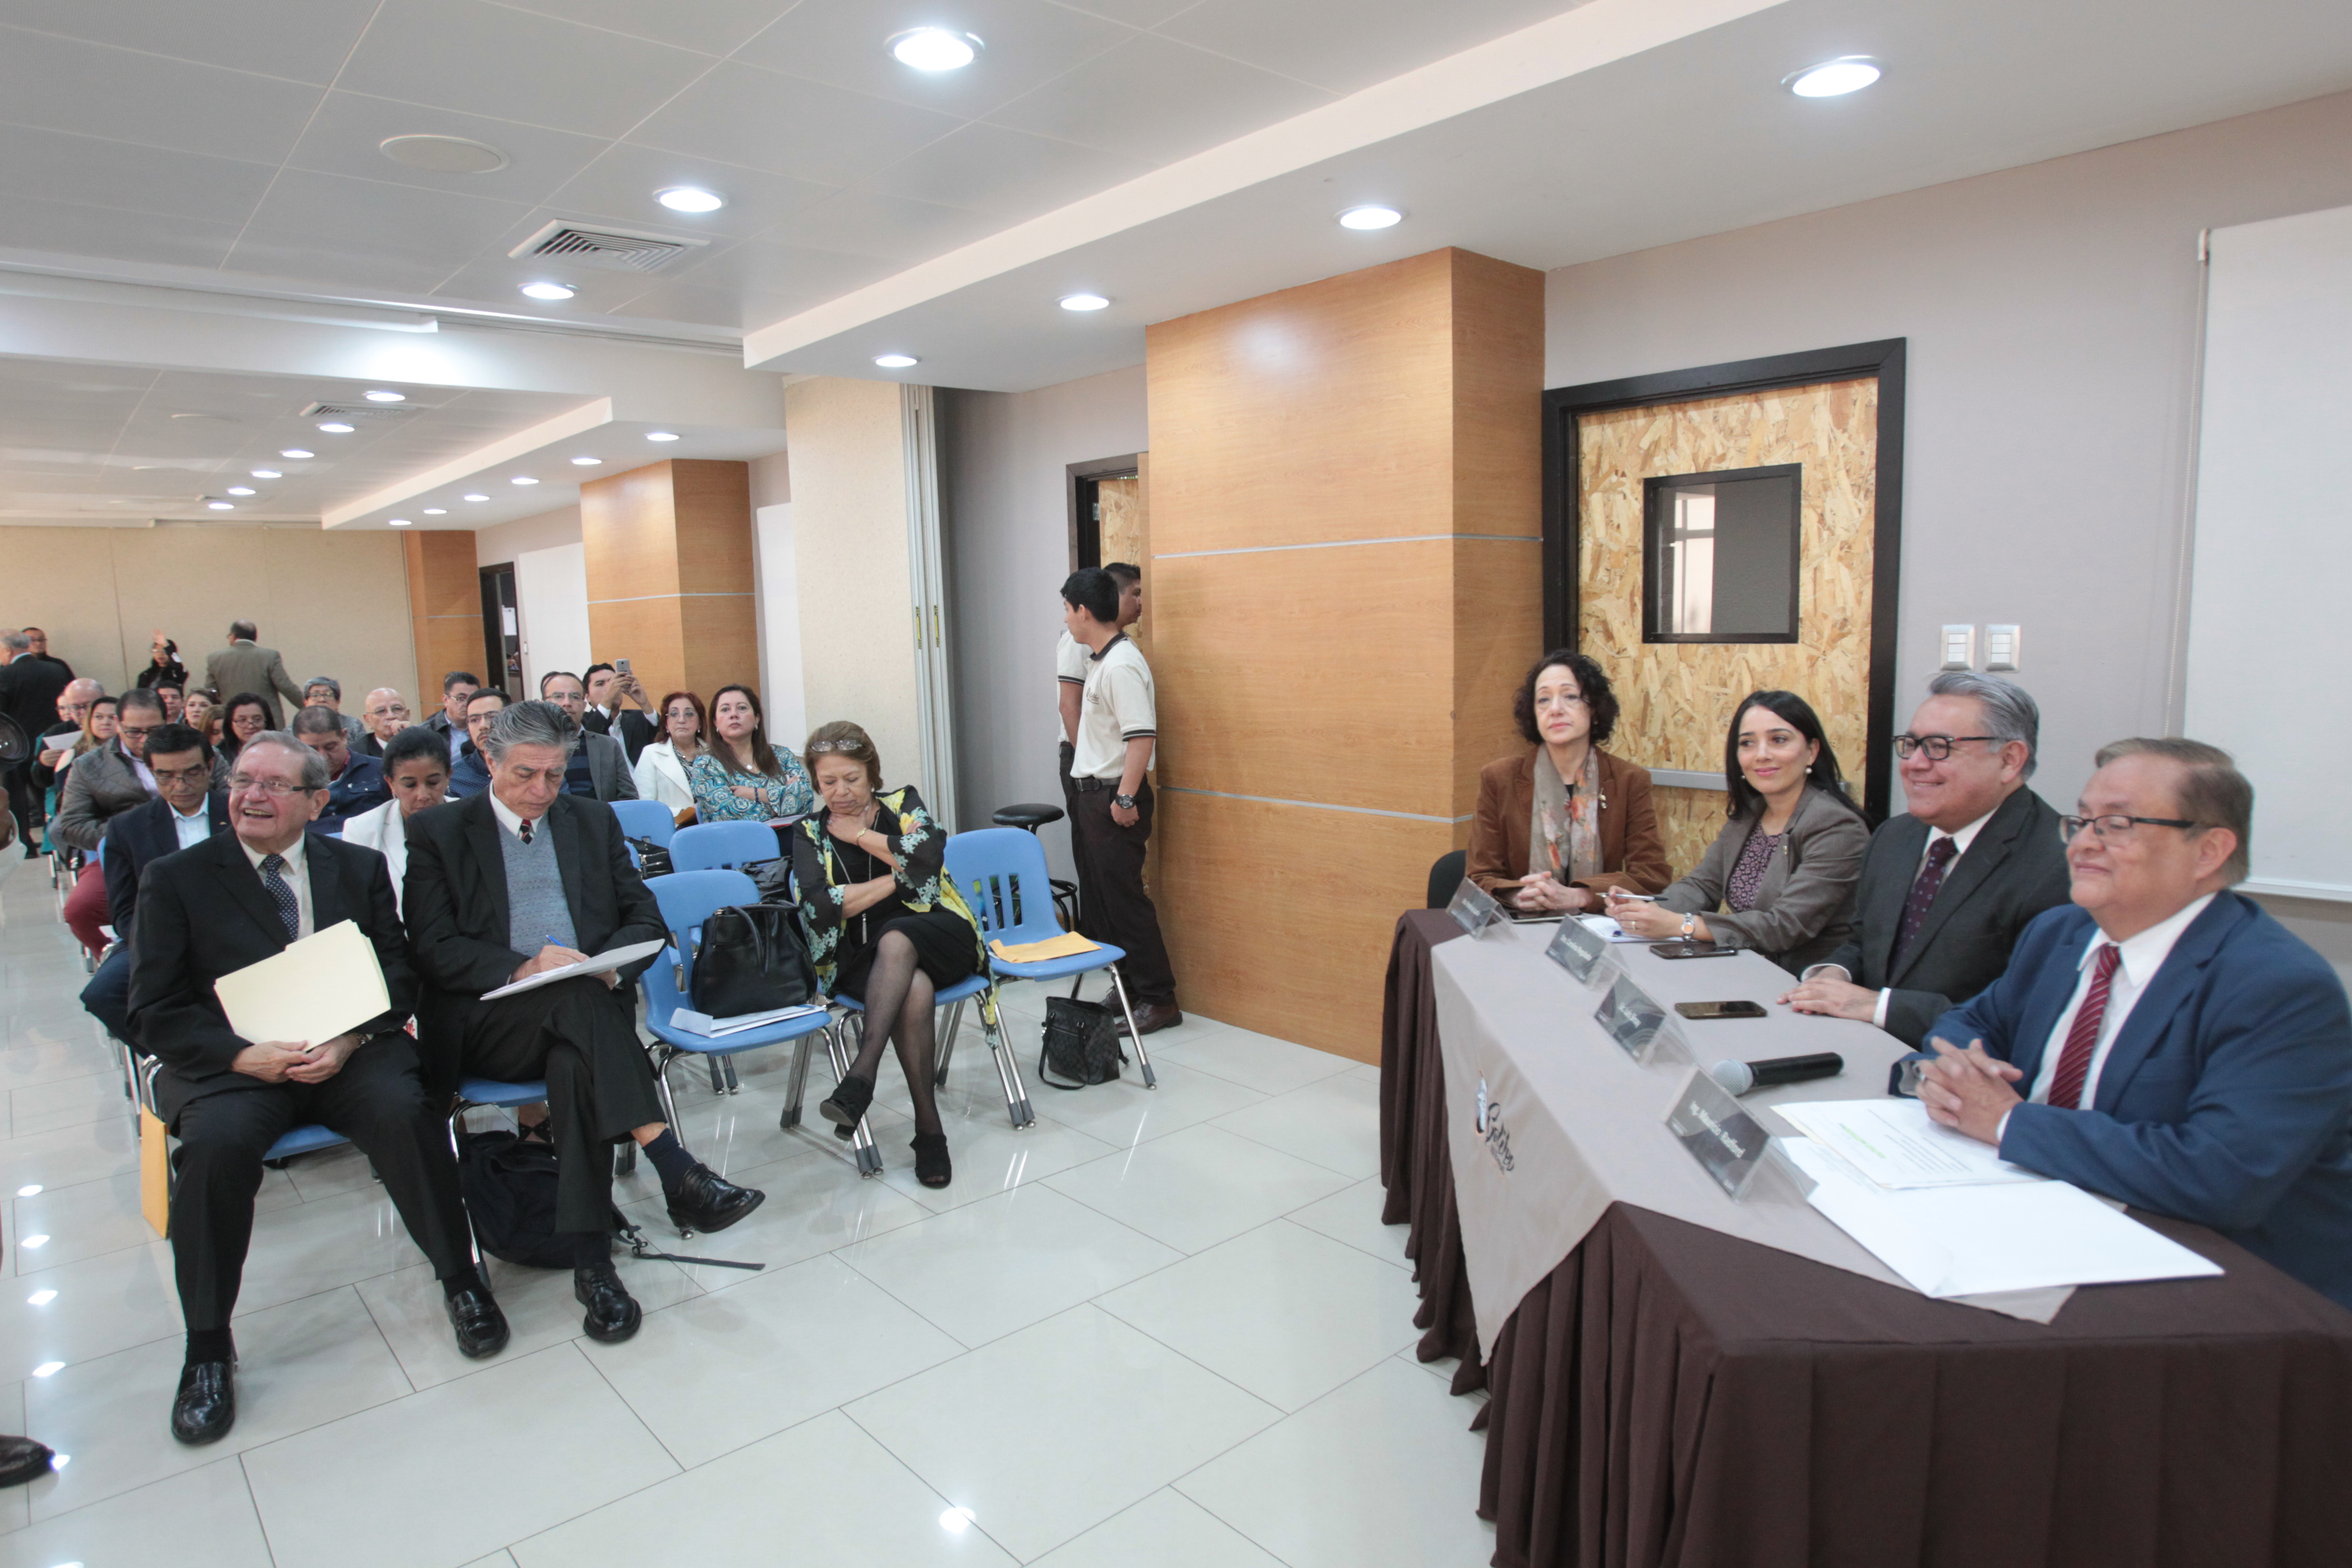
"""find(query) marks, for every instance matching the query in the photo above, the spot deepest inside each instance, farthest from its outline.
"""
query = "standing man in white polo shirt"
(1110, 819)
(1070, 683)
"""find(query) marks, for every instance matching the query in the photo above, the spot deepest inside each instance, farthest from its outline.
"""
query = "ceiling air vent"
(617, 249)
(351, 411)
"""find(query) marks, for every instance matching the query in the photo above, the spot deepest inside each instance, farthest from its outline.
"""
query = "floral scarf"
(1564, 833)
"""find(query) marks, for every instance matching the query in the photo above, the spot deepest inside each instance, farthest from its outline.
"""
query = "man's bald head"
(385, 713)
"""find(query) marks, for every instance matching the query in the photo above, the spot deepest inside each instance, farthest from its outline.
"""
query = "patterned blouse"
(918, 845)
(1755, 859)
(787, 794)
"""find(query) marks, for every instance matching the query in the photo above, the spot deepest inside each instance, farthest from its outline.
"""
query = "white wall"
(507, 539)
(784, 693)
(2051, 312)
(551, 599)
(1004, 476)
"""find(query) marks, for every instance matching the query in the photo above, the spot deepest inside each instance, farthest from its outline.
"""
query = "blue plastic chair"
(687, 900)
(1002, 873)
(646, 819)
(731, 845)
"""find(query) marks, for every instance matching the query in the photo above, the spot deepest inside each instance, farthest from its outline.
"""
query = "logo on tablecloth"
(1490, 1127)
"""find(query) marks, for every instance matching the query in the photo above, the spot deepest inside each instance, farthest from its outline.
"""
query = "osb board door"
(1120, 518)
(1678, 698)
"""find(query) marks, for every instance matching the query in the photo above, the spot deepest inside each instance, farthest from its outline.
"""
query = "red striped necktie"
(2082, 1039)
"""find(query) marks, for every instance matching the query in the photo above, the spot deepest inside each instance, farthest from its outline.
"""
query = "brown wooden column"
(1346, 487)
(670, 579)
(444, 608)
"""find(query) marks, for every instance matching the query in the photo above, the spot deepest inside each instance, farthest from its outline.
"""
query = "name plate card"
(1577, 949)
(1474, 909)
(1729, 1144)
(1631, 1019)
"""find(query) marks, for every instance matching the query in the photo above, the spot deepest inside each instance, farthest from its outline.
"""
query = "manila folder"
(320, 987)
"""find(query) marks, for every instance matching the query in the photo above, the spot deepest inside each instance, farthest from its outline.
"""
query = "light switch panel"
(1959, 647)
(2000, 648)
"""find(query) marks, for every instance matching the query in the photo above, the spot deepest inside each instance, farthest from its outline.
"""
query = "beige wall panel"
(1283, 918)
(722, 647)
(670, 575)
(1319, 413)
(648, 632)
(849, 531)
(628, 531)
(1498, 631)
(1679, 696)
(63, 580)
(1499, 349)
(713, 508)
(337, 607)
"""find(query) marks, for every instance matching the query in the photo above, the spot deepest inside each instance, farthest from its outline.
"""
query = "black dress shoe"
(706, 1201)
(612, 1313)
(845, 1106)
(206, 1406)
(22, 1460)
(481, 1327)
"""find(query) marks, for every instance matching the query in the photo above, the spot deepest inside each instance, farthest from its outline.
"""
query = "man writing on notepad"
(516, 881)
(224, 905)
(2161, 1039)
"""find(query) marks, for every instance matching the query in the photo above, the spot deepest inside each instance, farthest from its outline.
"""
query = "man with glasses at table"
(1946, 886)
(2162, 1039)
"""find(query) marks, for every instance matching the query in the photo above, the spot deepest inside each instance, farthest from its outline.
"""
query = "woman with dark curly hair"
(1564, 821)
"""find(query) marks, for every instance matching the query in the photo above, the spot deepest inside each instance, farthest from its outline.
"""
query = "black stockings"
(900, 1006)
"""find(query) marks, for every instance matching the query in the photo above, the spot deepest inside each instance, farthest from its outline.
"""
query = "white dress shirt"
(2141, 957)
(510, 819)
(297, 876)
(193, 828)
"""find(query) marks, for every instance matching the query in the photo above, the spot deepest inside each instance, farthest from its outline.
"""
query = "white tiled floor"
(1159, 1329)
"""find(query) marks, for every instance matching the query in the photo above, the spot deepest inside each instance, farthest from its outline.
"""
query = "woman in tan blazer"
(1560, 822)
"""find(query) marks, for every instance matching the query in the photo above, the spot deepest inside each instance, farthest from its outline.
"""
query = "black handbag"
(751, 960)
(1081, 1043)
(653, 861)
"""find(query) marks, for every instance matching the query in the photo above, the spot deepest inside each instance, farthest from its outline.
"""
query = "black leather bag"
(510, 1189)
(751, 960)
(1081, 1043)
(653, 861)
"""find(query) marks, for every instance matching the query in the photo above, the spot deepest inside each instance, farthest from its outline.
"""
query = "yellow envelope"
(1066, 945)
(320, 987)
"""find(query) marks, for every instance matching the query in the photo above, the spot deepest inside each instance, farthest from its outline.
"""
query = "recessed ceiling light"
(477, 498)
(295, 452)
(548, 290)
(437, 511)
(1371, 217)
(336, 427)
(241, 490)
(388, 397)
(400, 522)
(935, 49)
(522, 480)
(672, 435)
(29, 1244)
(49, 1368)
(586, 462)
(222, 505)
(1831, 79)
(1083, 302)
(690, 199)
(31, 1192)
(268, 473)
(41, 1298)
(443, 155)
(896, 362)
(956, 1521)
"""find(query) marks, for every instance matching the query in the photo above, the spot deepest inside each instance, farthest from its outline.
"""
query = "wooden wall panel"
(712, 502)
(444, 597)
(670, 574)
(628, 532)
(1688, 820)
(1498, 420)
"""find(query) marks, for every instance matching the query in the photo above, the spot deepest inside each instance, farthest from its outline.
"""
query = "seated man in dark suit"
(354, 782)
(599, 768)
(1947, 888)
(631, 726)
(2163, 1041)
(470, 774)
(188, 811)
(517, 880)
(213, 910)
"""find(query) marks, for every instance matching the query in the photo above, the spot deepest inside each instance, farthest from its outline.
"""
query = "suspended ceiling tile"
(302, 40)
(63, 84)
(1010, 174)
(57, 166)
(346, 136)
(711, 26)
(379, 234)
(1159, 101)
(1134, 12)
(895, 228)
(1345, 47)
(486, 59)
(741, 114)
(845, 43)
(620, 186)
(73, 230)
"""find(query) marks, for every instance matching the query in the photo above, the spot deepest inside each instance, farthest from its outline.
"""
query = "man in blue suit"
(2161, 1039)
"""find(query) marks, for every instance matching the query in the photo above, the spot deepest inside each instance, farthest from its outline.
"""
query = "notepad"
(604, 963)
(1069, 944)
(324, 985)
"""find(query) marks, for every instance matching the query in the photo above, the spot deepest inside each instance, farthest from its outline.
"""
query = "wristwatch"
(1690, 926)
(1124, 801)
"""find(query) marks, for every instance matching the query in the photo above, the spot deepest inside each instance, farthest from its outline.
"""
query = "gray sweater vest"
(536, 912)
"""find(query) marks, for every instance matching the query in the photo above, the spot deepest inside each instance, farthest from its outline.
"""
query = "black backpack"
(509, 1188)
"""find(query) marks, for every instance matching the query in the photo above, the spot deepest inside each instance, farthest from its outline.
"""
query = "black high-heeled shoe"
(932, 1167)
(845, 1106)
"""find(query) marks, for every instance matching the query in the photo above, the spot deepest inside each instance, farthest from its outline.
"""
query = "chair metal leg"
(717, 1082)
(661, 1086)
(1134, 1034)
(734, 1086)
(1008, 1073)
(946, 1045)
(861, 1140)
(799, 1086)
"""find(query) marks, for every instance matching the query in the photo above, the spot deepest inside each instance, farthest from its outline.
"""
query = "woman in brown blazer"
(1563, 821)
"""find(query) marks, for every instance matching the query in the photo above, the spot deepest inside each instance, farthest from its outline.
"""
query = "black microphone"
(1741, 1077)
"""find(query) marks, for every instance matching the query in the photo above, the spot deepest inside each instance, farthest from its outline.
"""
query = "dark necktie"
(281, 894)
(523, 833)
(1923, 895)
(2082, 1039)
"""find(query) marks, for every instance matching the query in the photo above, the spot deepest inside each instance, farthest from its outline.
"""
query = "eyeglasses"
(183, 775)
(134, 731)
(1938, 747)
(847, 748)
(277, 789)
(2117, 826)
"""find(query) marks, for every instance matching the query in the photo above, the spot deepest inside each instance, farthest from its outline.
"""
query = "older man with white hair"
(383, 715)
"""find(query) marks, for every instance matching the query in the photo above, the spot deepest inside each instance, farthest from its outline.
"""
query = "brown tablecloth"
(1672, 1395)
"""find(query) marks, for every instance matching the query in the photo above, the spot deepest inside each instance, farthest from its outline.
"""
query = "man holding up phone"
(610, 687)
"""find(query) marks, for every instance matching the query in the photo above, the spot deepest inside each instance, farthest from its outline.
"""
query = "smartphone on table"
(1720, 1009)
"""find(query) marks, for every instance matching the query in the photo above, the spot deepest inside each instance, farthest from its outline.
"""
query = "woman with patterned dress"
(1781, 875)
(738, 777)
(886, 926)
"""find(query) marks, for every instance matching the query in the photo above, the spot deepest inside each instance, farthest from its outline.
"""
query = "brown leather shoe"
(1150, 1020)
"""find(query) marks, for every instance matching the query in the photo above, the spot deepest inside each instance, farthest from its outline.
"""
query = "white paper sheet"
(711, 1028)
(602, 961)
(1896, 1143)
(324, 985)
(2004, 1236)
(1608, 930)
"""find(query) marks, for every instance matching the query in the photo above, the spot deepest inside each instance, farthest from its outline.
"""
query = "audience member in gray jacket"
(1780, 878)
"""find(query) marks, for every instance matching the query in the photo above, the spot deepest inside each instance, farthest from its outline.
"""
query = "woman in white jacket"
(416, 769)
(661, 770)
